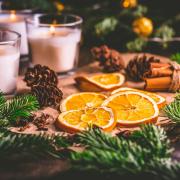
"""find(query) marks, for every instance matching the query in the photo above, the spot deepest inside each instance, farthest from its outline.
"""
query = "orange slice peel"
(79, 120)
(100, 82)
(161, 101)
(132, 108)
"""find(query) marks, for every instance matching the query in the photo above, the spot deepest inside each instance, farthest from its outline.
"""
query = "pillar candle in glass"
(15, 21)
(54, 40)
(9, 60)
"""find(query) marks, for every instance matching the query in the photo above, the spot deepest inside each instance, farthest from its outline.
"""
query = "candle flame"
(52, 29)
(13, 15)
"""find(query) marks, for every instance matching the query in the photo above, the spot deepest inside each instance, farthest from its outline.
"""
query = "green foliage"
(147, 151)
(137, 45)
(176, 57)
(2, 99)
(20, 106)
(173, 110)
(106, 26)
(165, 33)
(41, 144)
(140, 11)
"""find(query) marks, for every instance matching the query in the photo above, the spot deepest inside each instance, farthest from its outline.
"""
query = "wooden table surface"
(17, 167)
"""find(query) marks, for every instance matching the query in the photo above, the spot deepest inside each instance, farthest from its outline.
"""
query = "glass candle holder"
(9, 60)
(14, 20)
(54, 40)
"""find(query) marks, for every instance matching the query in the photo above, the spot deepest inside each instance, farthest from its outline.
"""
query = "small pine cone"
(109, 59)
(138, 66)
(48, 95)
(40, 75)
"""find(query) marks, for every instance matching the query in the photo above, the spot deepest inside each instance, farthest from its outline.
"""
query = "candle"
(15, 22)
(55, 44)
(56, 49)
(9, 64)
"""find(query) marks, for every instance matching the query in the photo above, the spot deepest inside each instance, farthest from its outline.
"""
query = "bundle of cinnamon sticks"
(162, 77)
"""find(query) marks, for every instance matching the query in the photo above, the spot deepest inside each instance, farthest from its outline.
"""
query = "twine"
(175, 83)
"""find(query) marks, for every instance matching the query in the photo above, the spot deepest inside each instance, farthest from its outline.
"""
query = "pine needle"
(41, 144)
(20, 106)
(2, 100)
(173, 110)
(147, 151)
(176, 57)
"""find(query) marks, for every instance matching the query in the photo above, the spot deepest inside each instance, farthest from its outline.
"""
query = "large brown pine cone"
(138, 66)
(48, 95)
(109, 59)
(40, 75)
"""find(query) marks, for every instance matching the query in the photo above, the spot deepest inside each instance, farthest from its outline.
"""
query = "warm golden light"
(13, 15)
(52, 29)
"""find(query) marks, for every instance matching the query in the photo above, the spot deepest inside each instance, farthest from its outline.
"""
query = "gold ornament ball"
(129, 3)
(59, 6)
(143, 26)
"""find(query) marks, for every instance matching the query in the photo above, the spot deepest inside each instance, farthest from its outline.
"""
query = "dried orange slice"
(82, 100)
(161, 101)
(79, 120)
(132, 108)
(100, 82)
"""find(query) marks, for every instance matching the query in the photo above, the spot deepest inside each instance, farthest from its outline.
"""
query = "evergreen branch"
(137, 44)
(20, 106)
(173, 110)
(147, 151)
(153, 138)
(41, 144)
(2, 99)
(166, 33)
(176, 57)
(106, 26)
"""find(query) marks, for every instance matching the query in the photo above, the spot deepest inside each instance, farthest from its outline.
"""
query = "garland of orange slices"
(123, 106)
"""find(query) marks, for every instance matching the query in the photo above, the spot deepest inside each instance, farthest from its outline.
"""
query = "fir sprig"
(176, 57)
(147, 151)
(2, 99)
(173, 110)
(41, 144)
(20, 106)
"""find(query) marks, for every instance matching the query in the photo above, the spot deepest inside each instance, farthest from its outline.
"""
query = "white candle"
(56, 48)
(16, 22)
(9, 65)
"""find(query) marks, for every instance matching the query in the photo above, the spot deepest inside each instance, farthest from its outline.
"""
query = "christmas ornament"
(47, 95)
(109, 59)
(40, 75)
(60, 6)
(129, 3)
(143, 26)
(138, 66)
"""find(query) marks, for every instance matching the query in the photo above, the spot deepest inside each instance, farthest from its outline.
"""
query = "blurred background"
(126, 25)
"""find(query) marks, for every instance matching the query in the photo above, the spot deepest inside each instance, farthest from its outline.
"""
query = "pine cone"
(109, 59)
(138, 66)
(48, 95)
(40, 75)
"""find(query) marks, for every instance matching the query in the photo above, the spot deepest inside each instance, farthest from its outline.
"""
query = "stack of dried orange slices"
(124, 107)
(81, 110)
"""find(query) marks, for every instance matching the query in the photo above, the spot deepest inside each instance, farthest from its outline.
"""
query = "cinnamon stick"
(159, 70)
(159, 65)
(157, 84)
